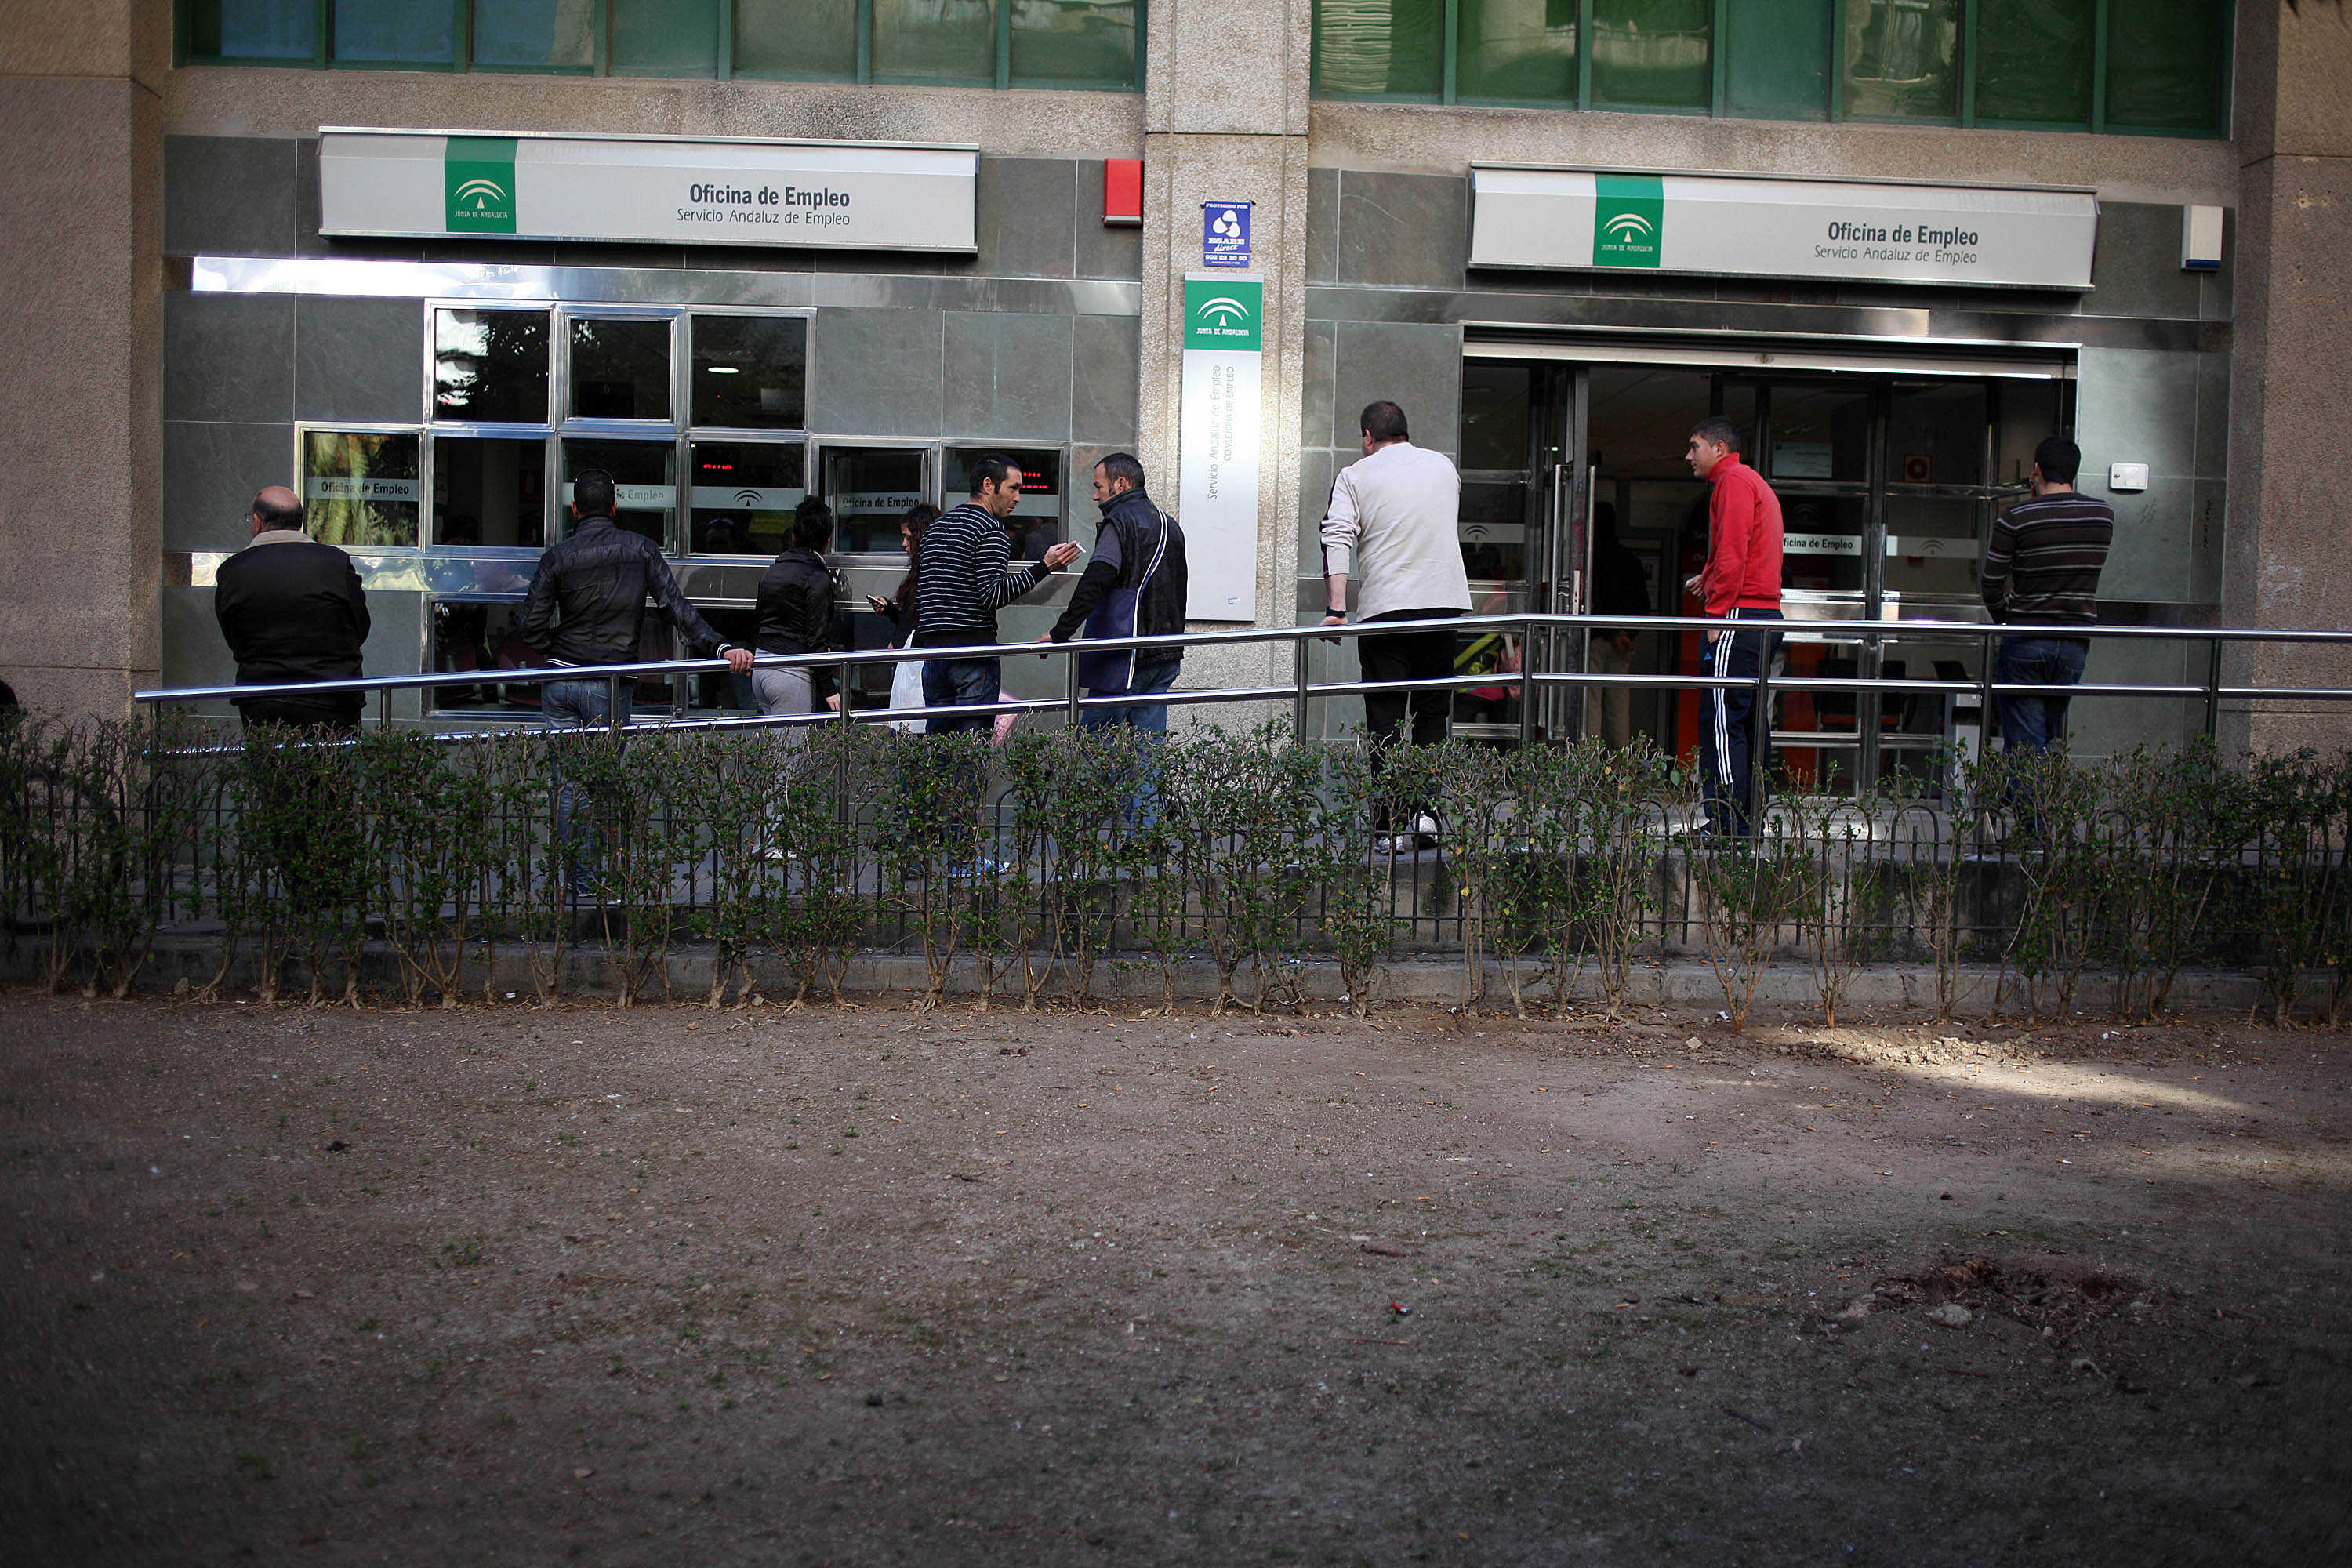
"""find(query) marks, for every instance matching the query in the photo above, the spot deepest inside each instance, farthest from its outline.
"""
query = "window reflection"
(645, 485)
(870, 491)
(743, 496)
(358, 488)
(491, 366)
(489, 491)
(751, 373)
(620, 370)
(1899, 57)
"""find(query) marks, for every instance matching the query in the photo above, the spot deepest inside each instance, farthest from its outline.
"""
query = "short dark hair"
(812, 524)
(2059, 460)
(1384, 421)
(1122, 465)
(1716, 427)
(591, 492)
(993, 469)
(277, 516)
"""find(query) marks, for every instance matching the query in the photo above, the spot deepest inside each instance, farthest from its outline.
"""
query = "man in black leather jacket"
(291, 610)
(587, 601)
(797, 613)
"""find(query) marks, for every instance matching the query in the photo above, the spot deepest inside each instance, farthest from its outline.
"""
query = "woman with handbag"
(907, 676)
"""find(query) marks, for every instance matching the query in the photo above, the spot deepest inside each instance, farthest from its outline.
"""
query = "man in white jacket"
(1394, 522)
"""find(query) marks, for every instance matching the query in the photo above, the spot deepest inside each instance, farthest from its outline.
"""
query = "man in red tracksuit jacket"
(1741, 582)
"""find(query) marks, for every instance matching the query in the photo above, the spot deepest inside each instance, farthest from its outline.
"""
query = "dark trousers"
(1735, 742)
(1424, 654)
(2033, 723)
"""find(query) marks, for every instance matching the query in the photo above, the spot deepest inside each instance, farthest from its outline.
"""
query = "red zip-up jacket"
(1743, 541)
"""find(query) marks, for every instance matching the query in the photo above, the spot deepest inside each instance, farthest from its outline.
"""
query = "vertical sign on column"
(1216, 446)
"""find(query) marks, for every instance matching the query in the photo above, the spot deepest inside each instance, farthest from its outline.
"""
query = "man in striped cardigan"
(2042, 571)
(962, 579)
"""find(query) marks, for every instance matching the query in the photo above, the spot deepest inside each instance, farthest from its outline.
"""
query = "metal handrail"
(1302, 688)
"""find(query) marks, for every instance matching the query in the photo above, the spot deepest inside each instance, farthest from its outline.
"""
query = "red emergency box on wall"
(1122, 192)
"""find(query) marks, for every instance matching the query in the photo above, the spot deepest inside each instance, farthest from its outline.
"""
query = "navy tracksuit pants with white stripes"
(1734, 743)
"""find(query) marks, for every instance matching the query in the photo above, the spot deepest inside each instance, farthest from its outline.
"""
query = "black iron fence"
(1027, 868)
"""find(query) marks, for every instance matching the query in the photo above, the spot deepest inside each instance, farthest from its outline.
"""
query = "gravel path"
(862, 1285)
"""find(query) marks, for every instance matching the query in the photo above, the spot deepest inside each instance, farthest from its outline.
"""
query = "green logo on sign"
(1222, 314)
(478, 175)
(1629, 219)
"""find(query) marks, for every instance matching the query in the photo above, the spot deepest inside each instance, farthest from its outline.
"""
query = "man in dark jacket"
(1140, 553)
(586, 605)
(796, 615)
(292, 610)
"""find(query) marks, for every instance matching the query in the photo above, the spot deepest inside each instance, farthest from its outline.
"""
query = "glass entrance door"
(1888, 484)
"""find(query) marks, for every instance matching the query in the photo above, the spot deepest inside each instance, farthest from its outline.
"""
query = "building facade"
(205, 296)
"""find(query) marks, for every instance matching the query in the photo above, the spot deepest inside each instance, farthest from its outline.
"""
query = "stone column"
(1225, 119)
(80, 306)
(2286, 562)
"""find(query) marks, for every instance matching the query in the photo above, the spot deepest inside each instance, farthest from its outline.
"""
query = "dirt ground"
(861, 1285)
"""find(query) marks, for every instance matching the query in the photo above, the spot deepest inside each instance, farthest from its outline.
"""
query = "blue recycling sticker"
(1225, 233)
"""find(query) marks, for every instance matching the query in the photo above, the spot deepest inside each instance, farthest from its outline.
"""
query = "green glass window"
(663, 38)
(1394, 47)
(252, 29)
(2165, 64)
(1899, 57)
(2033, 60)
(545, 34)
(395, 32)
(1519, 49)
(1777, 59)
(808, 40)
(1085, 42)
(935, 40)
(1653, 54)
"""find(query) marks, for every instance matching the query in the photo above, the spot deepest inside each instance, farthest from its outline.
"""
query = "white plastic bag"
(906, 692)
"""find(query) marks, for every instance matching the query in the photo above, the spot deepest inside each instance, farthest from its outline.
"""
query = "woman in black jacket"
(795, 616)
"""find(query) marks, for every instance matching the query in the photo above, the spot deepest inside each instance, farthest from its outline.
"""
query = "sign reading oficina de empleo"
(1216, 445)
(669, 190)
(1752, 227)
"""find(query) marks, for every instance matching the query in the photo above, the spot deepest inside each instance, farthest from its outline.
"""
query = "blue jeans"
(961, 683)
(579, 705)
(1148, 719)
(2032, 723)
(1151, 718)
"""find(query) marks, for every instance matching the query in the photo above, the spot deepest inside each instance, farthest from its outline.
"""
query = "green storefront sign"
(478, 178)
(1224, 314)
(1629, 220)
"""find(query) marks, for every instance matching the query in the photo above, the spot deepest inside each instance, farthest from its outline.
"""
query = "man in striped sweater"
(961, 581)
(2042, 571)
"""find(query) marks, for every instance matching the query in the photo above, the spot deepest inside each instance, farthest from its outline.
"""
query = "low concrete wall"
(587, 973)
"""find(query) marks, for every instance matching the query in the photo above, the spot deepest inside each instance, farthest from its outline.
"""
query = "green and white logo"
(1224, 314)
(477, 176)
(1629, 219)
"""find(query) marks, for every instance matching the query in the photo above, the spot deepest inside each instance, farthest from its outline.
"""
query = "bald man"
(292, 610)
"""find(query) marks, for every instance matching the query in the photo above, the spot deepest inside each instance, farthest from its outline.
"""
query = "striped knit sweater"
(961, 581)
(2043, 566)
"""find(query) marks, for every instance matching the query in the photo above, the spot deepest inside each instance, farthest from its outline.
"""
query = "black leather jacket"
(796, 603)
(587, 599)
